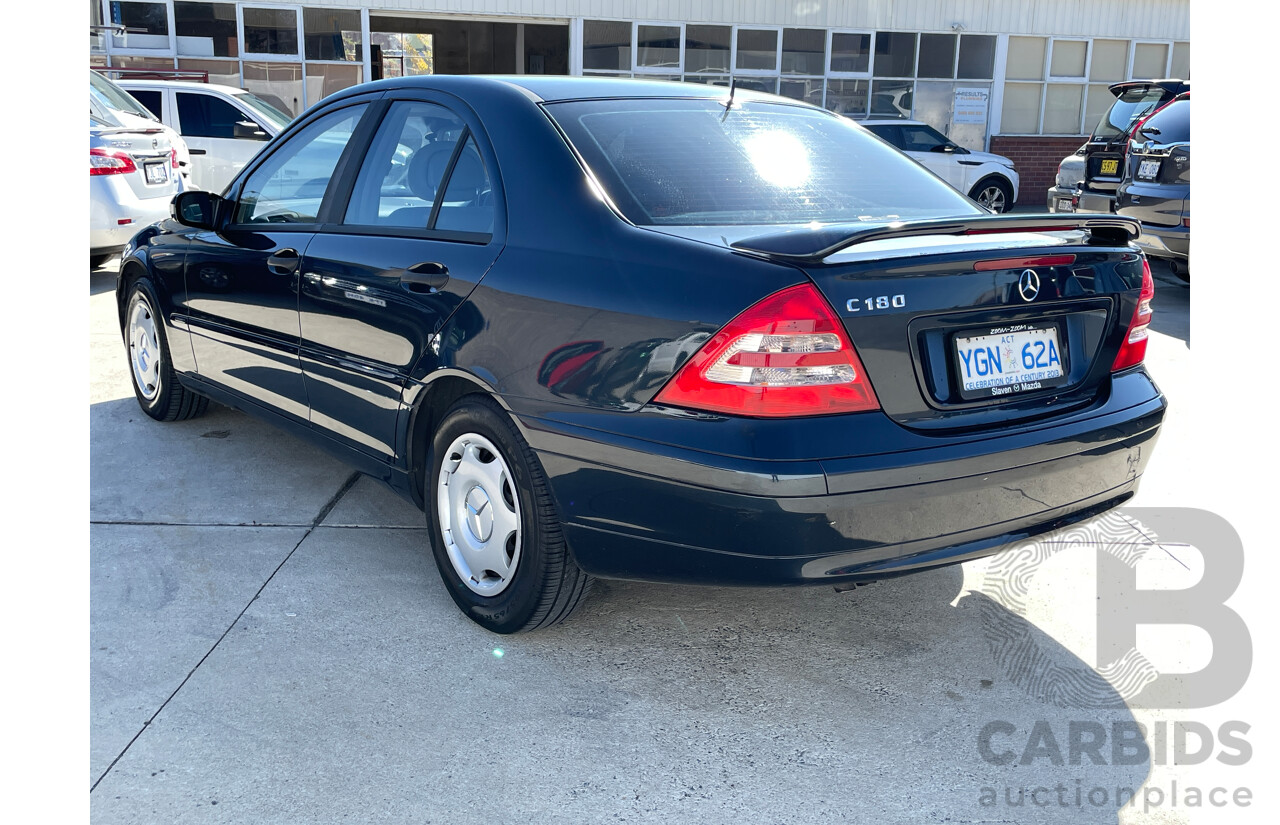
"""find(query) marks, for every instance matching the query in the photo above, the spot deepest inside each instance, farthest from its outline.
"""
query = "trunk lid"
(978, 330)
(149, 149)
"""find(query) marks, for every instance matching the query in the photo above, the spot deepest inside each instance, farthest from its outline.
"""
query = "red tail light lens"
(110, 162)
(1134, 348)
(787, 355)
(173, 158)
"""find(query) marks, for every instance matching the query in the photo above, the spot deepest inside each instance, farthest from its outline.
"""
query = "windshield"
(278, 118)
(688, 162)
(1129, 106)
(111, 96)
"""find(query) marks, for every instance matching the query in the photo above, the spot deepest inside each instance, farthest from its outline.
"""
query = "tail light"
(787, 355)
(110, 162)
(1134, 348)
(173, 158)
(1186, 222)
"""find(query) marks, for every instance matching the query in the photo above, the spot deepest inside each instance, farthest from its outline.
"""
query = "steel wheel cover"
(479, 513)
(144, 349)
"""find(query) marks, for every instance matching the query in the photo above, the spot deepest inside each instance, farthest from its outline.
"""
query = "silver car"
(133, 176)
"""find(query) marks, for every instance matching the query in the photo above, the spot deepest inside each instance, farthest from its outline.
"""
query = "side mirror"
(248, 130)
(196, 209)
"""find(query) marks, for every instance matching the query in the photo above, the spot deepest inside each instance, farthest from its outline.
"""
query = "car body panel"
(573, 318)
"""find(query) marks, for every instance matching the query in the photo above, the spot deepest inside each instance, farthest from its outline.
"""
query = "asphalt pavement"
(271, 643)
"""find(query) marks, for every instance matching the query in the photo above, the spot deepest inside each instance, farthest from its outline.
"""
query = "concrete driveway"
(271, 643)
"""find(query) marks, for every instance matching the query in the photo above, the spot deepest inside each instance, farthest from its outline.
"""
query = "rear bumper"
(1058, 199)
(112, 201)
(1104, 202)
(1165, 241)
(671, 514)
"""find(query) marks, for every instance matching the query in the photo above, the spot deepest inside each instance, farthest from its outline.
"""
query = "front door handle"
(426, 277)
(284, 261)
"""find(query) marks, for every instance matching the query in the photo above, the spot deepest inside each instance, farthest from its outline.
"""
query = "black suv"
(1105, 151)
(1156, 187)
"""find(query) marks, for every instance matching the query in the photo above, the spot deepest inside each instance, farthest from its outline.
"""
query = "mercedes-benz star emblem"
(1029, 285)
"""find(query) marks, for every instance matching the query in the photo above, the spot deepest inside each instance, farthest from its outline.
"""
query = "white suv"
(988, 179)
(223, 126)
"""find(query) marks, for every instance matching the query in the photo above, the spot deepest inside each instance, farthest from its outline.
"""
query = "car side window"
(149, 98)
(921, 139)
(290, 184)
(467, 205)
(402, 171)
(206, 116)
(889, 134)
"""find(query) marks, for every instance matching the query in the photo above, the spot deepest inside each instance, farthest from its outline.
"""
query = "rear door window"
(149, 98)
(404, 166)
(206, 116)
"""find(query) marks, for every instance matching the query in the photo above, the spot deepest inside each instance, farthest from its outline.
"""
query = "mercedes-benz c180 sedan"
(665, 332)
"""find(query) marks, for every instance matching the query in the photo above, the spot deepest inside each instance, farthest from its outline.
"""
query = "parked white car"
(988, 179)
(133, 177)
(224, 127)
(129, 111)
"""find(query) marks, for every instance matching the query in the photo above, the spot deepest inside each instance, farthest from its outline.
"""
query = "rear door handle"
(426, 277)
(284, 261)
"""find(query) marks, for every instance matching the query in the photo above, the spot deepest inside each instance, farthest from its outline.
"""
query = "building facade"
(1025, 78)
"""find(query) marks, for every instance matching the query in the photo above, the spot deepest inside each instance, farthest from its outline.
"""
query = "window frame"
(259, 57)
(110, 48)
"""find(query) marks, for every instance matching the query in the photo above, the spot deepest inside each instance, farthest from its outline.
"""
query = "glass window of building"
(758, 50)
(977, 56)
(1062, 109)
(1026, 58)
(847, 97)
(706, 48)
(850, 52)
(606, 45)
(1068, 58)
(1150, 60)
(937, 55)
(270, 31)
(206, 29)
(895, 54)
(804, 51)
(658, 47)
(1181, 65)
(332, 34)
(146, 25)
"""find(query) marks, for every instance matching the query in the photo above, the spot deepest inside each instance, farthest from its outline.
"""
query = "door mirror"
(248, 130)
(197, 209)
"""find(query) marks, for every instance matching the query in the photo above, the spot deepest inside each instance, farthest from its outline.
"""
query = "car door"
(420, 229)
(242, 280)
(222, 137)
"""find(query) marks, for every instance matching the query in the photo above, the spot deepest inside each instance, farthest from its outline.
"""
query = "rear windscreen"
(691, 162)
(1172, 124)
(1129, 106)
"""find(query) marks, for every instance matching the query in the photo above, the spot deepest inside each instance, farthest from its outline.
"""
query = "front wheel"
(154, 382)
(495, 532)
(994, 194)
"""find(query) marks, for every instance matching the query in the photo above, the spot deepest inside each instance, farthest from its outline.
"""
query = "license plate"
(1064, 205)
(1148, 169)
(157, 172)
(1110, 167)
(1008, 360)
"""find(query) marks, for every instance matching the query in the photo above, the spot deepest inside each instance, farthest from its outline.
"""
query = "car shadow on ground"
(653, 702)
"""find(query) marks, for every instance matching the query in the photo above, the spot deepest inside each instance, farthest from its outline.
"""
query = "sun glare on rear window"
(691, 162)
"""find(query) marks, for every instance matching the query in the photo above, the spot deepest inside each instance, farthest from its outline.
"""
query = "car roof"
(555, 88)
(125, 83)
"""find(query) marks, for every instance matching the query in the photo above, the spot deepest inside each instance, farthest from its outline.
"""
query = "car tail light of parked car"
(786, 355)
(1134, 348)
(110, 162)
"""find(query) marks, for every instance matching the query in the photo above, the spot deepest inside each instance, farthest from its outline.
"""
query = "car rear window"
(691, 162)
(1129, 106)
(1173, 123)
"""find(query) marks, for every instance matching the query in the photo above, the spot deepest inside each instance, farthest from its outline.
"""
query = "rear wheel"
(96, 261)
(495, 532)
(993, 193)
(150, 368)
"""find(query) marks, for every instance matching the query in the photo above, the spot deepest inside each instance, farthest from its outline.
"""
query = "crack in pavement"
(324, 512)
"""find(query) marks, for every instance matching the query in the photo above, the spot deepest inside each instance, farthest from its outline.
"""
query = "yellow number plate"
(1110, 167)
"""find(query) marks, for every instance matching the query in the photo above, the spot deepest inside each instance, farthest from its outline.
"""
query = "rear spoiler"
(813, 245)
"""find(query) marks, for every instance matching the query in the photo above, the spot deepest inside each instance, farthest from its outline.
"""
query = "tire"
(155, 384)
(96, 261)
(494, 529)
(993, 193)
